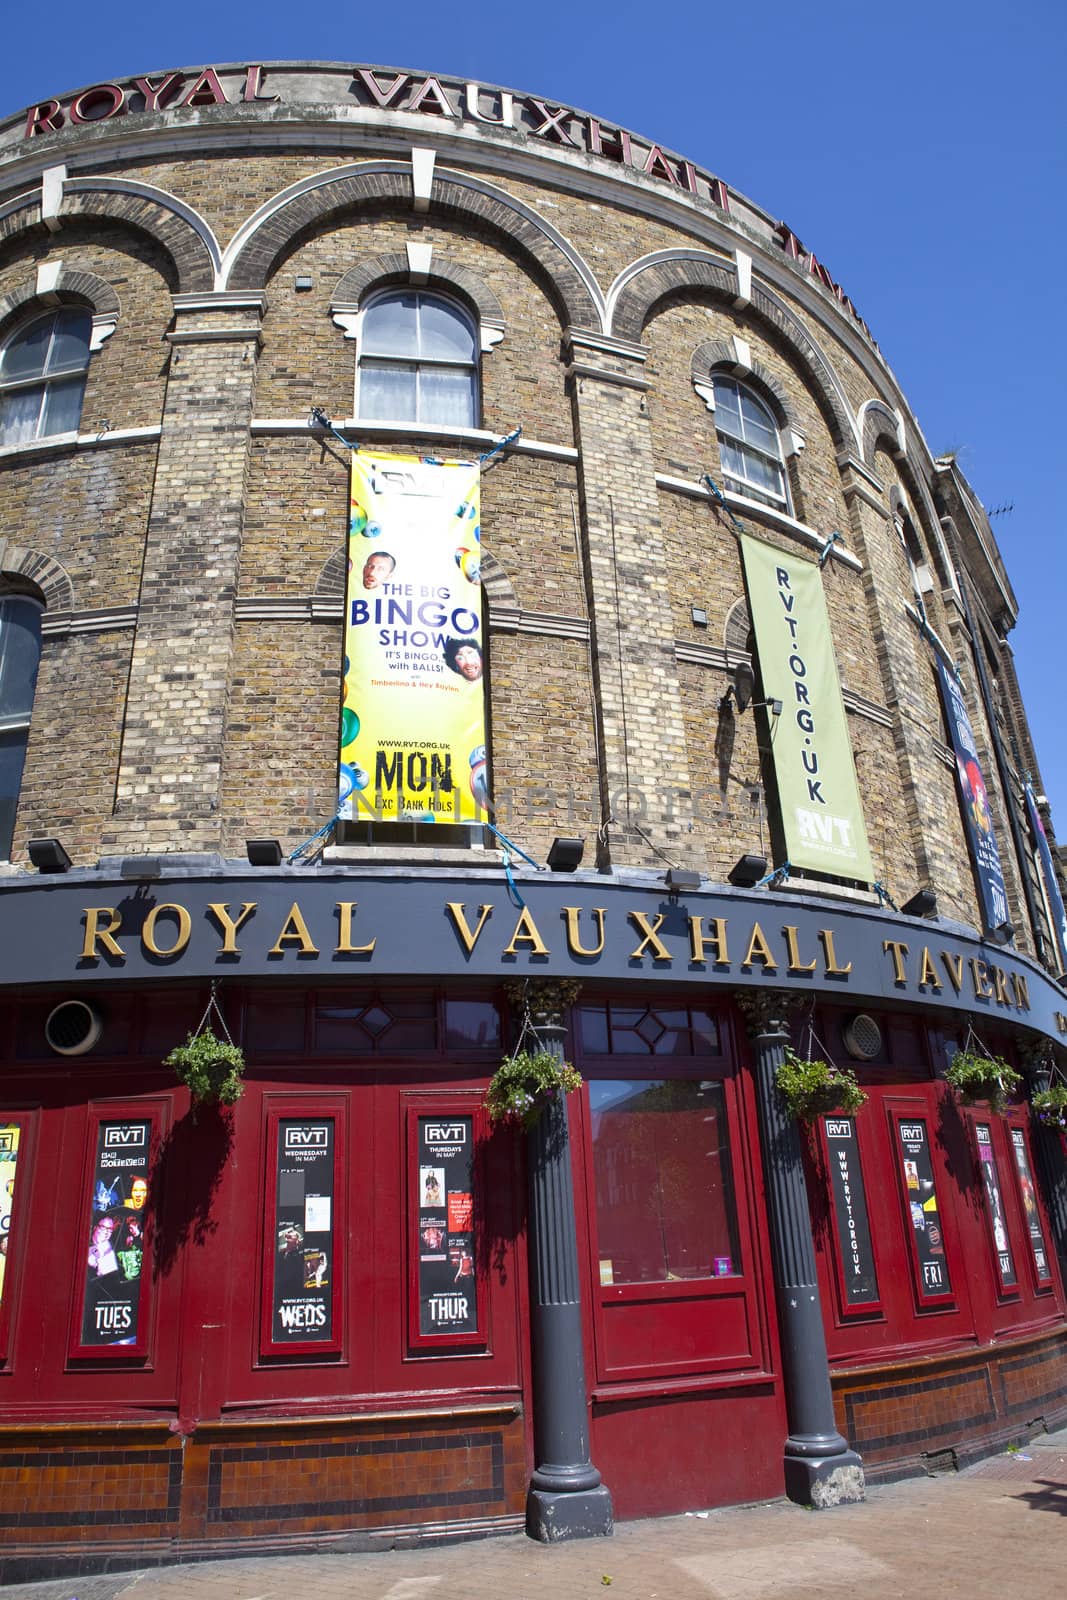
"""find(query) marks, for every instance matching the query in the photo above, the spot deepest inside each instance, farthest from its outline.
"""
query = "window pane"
(727, 413)
(19, 415)
(471, 1025)
(20, 651)
(764, 473)
(733, 462)
(387, 394)
(63, 406)
(664, 1191)
(26, 354)
(12, 755)
(389, 326)
(444, 333)
(446, 396)
(70, 342)
(758, 424)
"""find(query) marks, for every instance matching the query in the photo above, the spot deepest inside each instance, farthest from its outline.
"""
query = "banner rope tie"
(835, 538)
(718, 496)
(501, 444)
(779, 875)
(294, 855)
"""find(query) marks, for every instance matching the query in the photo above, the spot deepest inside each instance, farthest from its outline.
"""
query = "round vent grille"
(72, 1028)
(863, 1038)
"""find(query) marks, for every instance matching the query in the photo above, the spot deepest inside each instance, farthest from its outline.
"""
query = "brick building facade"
(187, 267)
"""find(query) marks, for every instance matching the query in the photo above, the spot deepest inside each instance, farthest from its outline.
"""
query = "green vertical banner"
(817, 789)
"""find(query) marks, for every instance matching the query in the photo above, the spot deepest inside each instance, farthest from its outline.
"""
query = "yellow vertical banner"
(413, 704)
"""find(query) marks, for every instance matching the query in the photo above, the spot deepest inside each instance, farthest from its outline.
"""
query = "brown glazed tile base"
(946, 1411)
(113, 1496)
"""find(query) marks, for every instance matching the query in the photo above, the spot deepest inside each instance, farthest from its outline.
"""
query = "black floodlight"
(141, 867)
(748, 871)
(566, 854)
(263, 852)
(1003, 933)
(922, 904)
(48, 855)
(681, 880)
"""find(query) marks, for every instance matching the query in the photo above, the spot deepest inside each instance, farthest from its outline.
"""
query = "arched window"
(749, 445)
(42, 376)
(20, 652)
(418, 361)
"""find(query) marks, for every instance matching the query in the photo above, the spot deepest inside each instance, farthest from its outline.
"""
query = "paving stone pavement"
(997, 1529)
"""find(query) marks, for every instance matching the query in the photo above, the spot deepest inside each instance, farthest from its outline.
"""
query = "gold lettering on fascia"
(983, 989)
(833, 969)
(181, 939)
(928, 978)
(345, 912)
(526, 932)
(953, 965)
(651, 940)
(793, 947)
(572, 915)
(99, 932)
(230, 925)
(457, 910)
(759, 950)
(715, 940)
(294, 930)
(899, 950)
(1000, 986)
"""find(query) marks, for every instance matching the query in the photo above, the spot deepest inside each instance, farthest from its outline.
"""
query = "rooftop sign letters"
(382, 89)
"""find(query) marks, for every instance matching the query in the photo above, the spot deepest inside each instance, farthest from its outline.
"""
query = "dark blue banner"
(1048, 876)
(974, 804)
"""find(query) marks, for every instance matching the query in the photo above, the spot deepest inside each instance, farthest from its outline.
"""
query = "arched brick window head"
(42, 376)
(418, 361)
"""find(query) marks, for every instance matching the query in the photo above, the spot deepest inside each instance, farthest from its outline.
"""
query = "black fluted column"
(820, 1469)
(566, 1499)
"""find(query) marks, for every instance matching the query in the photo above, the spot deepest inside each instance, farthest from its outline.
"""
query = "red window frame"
(26, 1122)
(156, 1113)
(444, 1107)
(741, 1286)
(308, 1108)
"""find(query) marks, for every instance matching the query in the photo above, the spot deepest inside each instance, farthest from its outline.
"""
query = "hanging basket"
(525, 1083)
(212, 1069)
(976, 1076)
(1050, 1107)
(811, 1088)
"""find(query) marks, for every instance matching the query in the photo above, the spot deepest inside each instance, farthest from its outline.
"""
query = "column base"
(577, 1514)
(824, 1481)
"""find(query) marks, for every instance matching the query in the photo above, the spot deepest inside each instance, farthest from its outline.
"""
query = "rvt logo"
(838, 1130)
(126, 1135)
(7, 1141)
(446, 1133)
(307, 1138)
(912, 1132)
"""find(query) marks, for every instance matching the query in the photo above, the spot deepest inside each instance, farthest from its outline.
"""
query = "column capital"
(766, 1011)
(546, 999)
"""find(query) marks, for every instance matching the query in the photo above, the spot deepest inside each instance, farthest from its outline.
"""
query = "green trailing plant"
(976, 1076)
(524, 1083)
(211, 1069)
(1050, 1106)
(811, 1088)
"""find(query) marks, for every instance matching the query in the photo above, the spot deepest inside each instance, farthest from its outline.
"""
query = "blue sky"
(918, 149)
